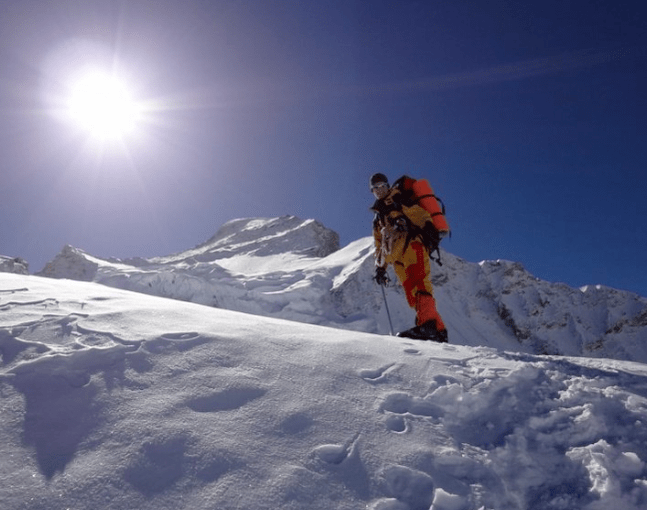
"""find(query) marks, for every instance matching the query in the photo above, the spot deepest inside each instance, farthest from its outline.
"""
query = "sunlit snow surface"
(114, 400)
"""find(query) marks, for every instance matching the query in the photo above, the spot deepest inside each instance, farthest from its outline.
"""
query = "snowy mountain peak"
(269, 236)
(72, 263)
(261, 237)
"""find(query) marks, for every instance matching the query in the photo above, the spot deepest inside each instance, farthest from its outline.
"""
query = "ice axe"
(388, 314)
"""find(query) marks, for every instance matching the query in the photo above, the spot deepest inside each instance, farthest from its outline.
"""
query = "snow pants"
(414, 272)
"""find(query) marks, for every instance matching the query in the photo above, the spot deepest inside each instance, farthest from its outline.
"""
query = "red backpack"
(420, 192)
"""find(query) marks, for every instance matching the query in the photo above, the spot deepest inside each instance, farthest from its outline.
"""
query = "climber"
(405, 236)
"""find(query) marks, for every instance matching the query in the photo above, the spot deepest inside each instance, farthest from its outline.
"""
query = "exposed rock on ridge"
(13, 265)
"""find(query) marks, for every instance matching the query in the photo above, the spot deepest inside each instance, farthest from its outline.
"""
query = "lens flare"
(102, 105)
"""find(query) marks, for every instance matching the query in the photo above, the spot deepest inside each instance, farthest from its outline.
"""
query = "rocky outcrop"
(13, 265)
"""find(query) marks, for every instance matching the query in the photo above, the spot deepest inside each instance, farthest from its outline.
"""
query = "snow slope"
(113, 399)
(293, 269)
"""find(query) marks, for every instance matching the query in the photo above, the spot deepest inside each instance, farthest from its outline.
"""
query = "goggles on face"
(379, 186)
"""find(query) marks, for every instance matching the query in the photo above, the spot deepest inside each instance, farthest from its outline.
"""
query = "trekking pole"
(386, 305)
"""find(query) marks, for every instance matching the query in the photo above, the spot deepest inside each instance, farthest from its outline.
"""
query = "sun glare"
(103, 106)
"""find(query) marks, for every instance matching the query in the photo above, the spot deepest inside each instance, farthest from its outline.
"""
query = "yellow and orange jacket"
(395, 225)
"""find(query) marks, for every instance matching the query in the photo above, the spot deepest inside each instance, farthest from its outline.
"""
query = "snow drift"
(293, 269)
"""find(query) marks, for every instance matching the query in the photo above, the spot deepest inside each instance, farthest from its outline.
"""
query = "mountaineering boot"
(426, 331)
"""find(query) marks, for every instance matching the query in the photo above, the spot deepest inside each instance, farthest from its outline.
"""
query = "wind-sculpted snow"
(113, 400)
(293, 269)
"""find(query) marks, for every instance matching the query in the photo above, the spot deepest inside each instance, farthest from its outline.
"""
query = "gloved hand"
(381, 277)
(400, 224)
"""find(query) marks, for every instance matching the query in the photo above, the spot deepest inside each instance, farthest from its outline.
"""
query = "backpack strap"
(404, 185)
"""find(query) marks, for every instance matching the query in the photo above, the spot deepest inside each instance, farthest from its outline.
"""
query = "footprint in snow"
(408, 487)
(335, 454)
(227, 400)
(401, 405)
(331, 453)
(396, 424)
(376, 375)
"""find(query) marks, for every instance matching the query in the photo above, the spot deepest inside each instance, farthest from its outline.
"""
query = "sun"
(102, 105)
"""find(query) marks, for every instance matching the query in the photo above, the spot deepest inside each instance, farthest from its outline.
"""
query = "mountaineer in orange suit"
(404, 237)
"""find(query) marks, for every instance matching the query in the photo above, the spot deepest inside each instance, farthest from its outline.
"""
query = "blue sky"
(527, 118)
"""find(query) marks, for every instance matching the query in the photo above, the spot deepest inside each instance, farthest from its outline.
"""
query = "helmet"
(375, 178)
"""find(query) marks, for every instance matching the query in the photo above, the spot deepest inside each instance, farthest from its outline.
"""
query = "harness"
(393, 203)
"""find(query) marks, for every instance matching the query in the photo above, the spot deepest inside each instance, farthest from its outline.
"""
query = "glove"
(381, 277)
(400, 224)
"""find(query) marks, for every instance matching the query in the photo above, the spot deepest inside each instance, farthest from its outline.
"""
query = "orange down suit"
(396, 230)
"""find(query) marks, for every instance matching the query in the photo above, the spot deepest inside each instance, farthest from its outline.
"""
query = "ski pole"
(386, 305)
